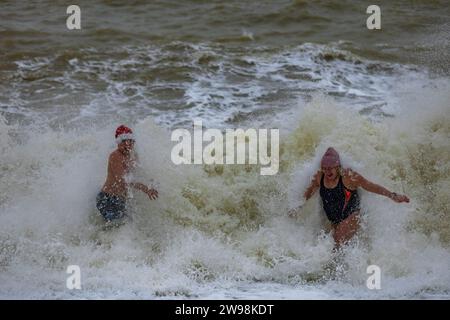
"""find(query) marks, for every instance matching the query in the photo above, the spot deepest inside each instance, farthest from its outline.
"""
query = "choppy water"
(310, 68)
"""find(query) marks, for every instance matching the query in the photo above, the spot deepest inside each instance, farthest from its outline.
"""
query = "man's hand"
(399, 197)
(152, 194)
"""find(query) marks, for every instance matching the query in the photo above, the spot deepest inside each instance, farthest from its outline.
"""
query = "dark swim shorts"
(111, 207)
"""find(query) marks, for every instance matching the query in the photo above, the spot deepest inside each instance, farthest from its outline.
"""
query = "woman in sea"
(339, 194)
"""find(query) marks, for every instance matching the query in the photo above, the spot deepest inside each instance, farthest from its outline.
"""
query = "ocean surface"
(310, 68)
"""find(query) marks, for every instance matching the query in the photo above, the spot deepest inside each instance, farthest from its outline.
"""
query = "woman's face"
(330, 173)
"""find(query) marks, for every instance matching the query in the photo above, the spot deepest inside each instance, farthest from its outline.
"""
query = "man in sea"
(340, 199)
(112, 198)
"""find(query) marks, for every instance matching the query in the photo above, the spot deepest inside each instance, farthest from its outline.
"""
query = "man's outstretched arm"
(152, 193)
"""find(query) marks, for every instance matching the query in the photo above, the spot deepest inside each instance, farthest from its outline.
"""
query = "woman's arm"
(313, 186)
(358, 180)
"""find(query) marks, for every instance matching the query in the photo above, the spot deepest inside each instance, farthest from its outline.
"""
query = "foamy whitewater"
(220, 232)
(223, 232)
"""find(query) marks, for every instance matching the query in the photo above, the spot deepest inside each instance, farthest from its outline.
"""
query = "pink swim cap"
(330, 159)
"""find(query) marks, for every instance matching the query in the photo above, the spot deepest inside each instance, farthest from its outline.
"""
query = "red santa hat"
(123, 133)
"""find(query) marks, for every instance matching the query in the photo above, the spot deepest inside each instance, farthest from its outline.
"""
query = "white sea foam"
(222, 232)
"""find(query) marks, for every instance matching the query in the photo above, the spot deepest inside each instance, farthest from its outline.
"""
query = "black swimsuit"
(338, 202)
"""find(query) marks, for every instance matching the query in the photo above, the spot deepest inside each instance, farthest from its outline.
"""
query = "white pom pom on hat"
(123, 133)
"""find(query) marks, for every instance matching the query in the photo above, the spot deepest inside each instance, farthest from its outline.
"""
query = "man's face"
(126, 145)
(330, 173)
